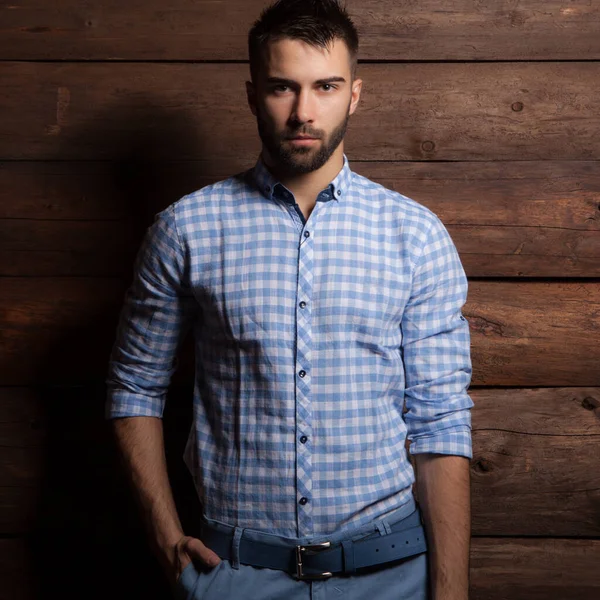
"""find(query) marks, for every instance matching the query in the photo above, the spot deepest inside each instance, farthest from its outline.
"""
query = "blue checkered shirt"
(320, 345)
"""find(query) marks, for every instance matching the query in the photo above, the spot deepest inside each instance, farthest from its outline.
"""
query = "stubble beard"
(301, 159)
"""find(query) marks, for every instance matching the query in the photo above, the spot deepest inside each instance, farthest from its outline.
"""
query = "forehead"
(295, 59)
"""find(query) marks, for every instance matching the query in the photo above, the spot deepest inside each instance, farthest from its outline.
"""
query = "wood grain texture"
(59, 330)
(532, 470)
(531, 219)
(534, 334)
(522, 569)
(56, 329)
(206, 30)
(434, 111)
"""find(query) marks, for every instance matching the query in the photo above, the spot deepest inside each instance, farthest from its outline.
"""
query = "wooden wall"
(486, 112)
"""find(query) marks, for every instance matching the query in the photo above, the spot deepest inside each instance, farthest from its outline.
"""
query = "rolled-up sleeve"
(157, 312)
(436, 351)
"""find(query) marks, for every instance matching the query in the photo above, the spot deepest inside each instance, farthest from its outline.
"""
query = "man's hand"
(190, 549)
(141, 444)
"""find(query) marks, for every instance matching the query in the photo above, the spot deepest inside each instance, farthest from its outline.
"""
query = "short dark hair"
(316, 22)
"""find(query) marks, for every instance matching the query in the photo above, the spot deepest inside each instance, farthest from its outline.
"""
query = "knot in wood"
(482, 465)
(590, 403)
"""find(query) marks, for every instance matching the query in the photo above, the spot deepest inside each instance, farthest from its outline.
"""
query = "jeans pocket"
(182, 574)
(185, 582)
(194, 584)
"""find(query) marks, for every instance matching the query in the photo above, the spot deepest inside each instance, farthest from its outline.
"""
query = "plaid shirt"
(310, 337)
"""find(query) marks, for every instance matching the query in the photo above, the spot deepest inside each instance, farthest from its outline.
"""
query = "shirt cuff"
(121, 403)
(456, 441)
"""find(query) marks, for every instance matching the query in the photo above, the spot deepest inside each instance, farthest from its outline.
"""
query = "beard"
(299, 160)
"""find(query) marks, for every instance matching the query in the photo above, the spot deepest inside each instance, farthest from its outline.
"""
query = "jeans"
(406, 579)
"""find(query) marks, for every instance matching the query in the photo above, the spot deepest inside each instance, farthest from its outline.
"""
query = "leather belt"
(321, 561)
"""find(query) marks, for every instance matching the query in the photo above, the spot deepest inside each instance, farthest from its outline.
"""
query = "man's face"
(303, 91)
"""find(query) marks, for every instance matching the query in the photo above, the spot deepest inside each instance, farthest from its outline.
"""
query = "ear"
(356, 89)
(251, 96)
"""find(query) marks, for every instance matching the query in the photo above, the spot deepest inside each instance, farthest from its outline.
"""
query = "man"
(326, 311)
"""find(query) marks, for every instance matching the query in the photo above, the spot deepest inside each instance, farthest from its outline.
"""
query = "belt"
(321, 561)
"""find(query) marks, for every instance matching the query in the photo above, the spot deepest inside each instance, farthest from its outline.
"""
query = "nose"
(303, 107)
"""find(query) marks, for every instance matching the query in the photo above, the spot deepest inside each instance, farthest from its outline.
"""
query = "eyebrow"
(292, 82)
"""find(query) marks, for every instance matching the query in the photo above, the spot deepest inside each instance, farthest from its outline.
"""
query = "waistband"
(396, 535)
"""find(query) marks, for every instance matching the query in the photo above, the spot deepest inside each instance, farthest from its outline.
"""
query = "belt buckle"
(311, 549)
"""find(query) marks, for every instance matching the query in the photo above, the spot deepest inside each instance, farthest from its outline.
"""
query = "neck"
(307, 186)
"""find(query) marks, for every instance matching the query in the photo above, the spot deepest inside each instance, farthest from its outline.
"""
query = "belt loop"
(235, 547)
(383, 527)
(348, 547)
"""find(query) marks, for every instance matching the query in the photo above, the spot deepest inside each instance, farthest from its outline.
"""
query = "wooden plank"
(519, 569)
(477, 111)
(123, 190)
(532, 471)
(205, 30)
(562, 480)
(522, 569)
(532, 219)
(60, 330)
(570, 412)
(67, 248)
(534, 334)
(56, 329)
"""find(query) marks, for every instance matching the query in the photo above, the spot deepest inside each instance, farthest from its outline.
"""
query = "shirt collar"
(271, 188)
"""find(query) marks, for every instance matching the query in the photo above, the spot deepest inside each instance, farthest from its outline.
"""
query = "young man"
(326, 311)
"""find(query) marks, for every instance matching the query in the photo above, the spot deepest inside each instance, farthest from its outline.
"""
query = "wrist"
(166, 547)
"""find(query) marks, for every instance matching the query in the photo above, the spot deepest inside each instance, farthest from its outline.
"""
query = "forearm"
(443, 492)
(141, 445)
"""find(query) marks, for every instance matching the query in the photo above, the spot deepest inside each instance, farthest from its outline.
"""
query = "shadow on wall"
(88, 540)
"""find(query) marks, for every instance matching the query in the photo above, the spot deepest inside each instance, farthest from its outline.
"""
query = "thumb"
(196, 550)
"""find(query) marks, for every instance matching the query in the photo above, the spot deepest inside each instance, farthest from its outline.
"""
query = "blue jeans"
(401, 580)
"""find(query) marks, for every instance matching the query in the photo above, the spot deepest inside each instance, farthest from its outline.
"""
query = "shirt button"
(339, 192)
(302, 373)
(303, 439)
(302, 304)
(462, 318)
(306, 233)
(303, 500)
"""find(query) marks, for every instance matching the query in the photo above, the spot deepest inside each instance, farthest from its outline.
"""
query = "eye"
(329, 85)
(277, 88)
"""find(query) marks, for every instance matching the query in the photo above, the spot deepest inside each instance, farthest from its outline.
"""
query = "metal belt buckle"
(310, 549)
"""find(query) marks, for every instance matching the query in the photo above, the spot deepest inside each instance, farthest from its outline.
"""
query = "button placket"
(303, 382)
